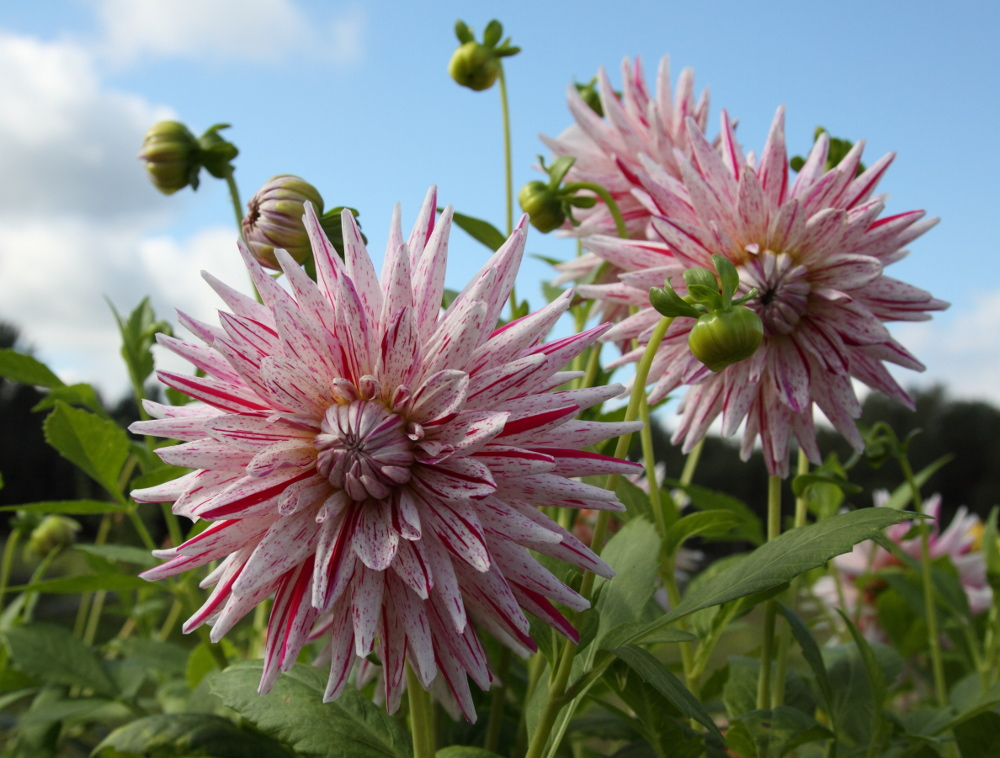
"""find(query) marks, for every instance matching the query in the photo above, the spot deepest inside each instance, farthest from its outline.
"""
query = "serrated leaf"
(479, 230)
(636, 501)
(99, 447)
(124, 553)
(716, 523)
(774, 733)
(74, 394)
(21, 368)
(782, 559)
(705, 499)
(70, 585)
(67, 507)
(653, 672)
(184, 734)
(294, 712)
(852, 703)
(634, 554)
(51, 653)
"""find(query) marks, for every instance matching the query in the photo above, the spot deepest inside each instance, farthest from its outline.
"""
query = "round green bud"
(474, 66)
(543, 206)
(170, 153)
(53, 533)
(721, 338)
(274, 219)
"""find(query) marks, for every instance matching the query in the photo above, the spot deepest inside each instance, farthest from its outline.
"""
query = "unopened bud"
(721, 338)
(274, 219)
(543, 205)
(170, 153)
(474, 66)
(53, 533)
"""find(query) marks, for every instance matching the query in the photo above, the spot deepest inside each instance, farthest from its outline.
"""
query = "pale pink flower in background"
(814, 248)
(960, 542)
(375, 464)
(608, 152)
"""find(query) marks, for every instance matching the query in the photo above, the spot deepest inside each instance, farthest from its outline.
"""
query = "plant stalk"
(771, 606)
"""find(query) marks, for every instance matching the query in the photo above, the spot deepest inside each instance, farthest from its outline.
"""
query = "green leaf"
(634, 554)
(187, 734)
(624, 632)
(18, 367)
(74, 394)
(479, 230)
(294, 712)
(73, 710)
(705, 499)
(465, 751)
(160, 475)
(669, 303)
(636, 501)
(51, 653)
(811, 653)
(125, 553)
(653, 672)
(67, 507)
(100, 448)
(782, 559)
(728, 277)
(802, 483)
(774, 733)
(991, 549)
(979, 737)
(703, 523)
(138, 333)
(876, 680)
(544, 637)
(70, 585)
(853, 705)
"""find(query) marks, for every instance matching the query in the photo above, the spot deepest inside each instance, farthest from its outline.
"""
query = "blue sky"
(355, 98)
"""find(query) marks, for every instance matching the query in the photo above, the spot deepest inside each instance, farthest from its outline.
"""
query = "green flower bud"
(543, 204)
(274, 219)
(53, 533)
(721, 338)
(170, 152)
(474, 66)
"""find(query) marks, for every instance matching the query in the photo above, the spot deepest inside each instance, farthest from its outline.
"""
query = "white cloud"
(68, 146)
(227, 30)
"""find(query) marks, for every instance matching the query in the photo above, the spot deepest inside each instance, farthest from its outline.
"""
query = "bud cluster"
(726, 331)
(476, 65)
(174, 157)
(547, 204)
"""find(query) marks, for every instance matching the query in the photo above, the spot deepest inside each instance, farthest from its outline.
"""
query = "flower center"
(784, 290)
(364, 449)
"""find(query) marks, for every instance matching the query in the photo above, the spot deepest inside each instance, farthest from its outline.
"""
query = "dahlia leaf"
(100, 582)
(98, 447)
(481, 231)
(812, 655)
(704, 523)
(67, 507)
(180, 734)
(294, 712)
(51, 653)
(634, 555)
(73, 394)
(705, 499)
(774, 732)
(659, 676)
(18, 367)
(979, 737)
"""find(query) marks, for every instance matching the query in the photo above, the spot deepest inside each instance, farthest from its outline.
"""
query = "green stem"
(785, 638)
(692, 462)
(492, 740)
(87, 598)
(593, 366)
(234, 196)
(771, 606)
(609, 201)
(421, 719)
(649, 463)
(933, 637)
(508, 169)
(557, 687)
(9, 550)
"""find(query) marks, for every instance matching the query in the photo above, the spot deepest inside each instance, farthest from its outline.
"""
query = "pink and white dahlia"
(815, 249)
(960, 542)
(375, 464)
(608, 152)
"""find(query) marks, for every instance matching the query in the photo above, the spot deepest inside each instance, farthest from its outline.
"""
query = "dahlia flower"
(376, 464)
(608, 152)
(959, 542)
(814, 248)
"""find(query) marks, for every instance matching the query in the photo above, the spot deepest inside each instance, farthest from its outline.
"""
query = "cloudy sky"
(354, 97)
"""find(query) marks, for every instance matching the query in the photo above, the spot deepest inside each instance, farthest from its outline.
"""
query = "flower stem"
(557, 687)
(692, 462)
(421, 719)
(9, 550)
(508, 168)
(933, 637)
(785, 638)
(609, 201)
(234, 195)
(771, 606)
(497, 705)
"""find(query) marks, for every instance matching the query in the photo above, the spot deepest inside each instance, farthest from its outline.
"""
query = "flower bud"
(170, 152)
(721, 338)
(474, 66)
(53, 533)
(274, 219)
(543, 205)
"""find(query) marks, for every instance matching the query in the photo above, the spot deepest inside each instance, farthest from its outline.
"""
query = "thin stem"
(234, 195)
(785, 638)
(609, 201)
(421, 718)
(497, 705)
(87, 598)
(933, 637)
(9, 550)
(593, 366)
(507, 169)
(557, 687)
(692, 462)
(771, 606)
(649, 463)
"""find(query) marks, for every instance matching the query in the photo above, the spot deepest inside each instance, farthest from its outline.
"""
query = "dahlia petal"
(410, 566)
(289, 625)
(499, 518)
(367, 589)
(503, 461)
(250, 496)
(428, 269)
(419, 642)
(773, 170)
(205, 358)
(399, 352)
(251, 432)
(375, 540)
(203, 453)
(308, 297)
(241, 305)
(281, 548)
(424, 226)
(225, 396)
(341, 656)
(360, 268)
(285, 454)
(549, 489)
(334, 561)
